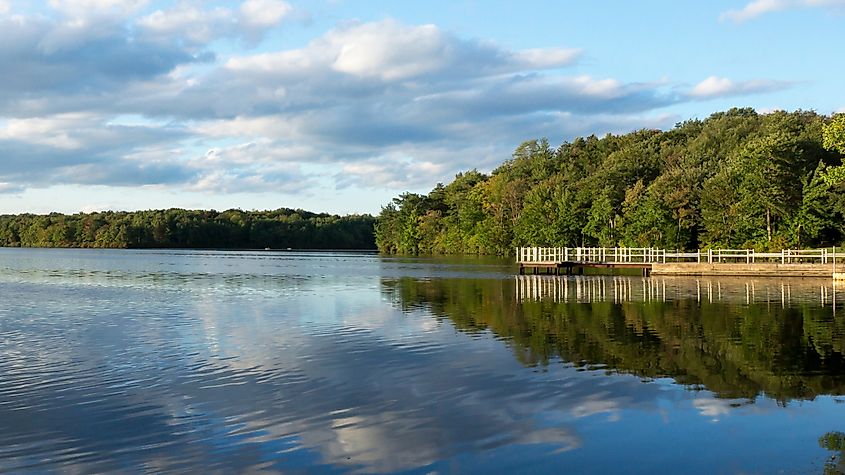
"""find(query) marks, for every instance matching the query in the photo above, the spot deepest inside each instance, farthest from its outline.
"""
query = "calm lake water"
(175, 361)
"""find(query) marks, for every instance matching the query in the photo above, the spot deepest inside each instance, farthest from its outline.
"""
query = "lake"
(206, 361)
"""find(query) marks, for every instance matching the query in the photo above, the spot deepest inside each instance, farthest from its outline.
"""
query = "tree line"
(738, 179)
(180, 228)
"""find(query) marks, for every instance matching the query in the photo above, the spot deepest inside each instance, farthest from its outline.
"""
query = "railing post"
(710, 256)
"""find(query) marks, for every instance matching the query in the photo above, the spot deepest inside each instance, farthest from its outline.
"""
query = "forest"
(180, 228)
(737, 179)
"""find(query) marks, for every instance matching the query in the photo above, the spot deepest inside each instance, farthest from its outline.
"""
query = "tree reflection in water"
(737, 338)
(835, 442)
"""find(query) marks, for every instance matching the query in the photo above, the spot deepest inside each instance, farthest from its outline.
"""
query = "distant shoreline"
(327, 250)
(176, 228)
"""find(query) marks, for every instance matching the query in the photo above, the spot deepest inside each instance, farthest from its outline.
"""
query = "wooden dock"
(711, 262)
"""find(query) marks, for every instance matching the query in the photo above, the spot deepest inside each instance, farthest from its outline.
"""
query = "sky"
(340, 105)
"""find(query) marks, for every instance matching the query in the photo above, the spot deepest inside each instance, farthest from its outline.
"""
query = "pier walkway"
(738, 262)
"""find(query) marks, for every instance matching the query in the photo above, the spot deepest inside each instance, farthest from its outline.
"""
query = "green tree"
(834, 134)
(834, 139)
(815, 216)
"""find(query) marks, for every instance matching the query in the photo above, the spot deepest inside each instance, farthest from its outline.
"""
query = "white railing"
(617, 289)
(648, 255)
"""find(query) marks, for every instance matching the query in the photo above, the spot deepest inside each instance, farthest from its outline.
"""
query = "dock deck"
(711, 262)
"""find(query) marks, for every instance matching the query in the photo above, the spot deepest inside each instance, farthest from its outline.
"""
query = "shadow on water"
(738, 338)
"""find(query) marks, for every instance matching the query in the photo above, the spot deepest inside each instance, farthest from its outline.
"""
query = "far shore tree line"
(738, 179)
(180, 228)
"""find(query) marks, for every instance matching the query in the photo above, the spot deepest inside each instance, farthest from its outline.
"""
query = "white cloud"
(5, 6)
(392, 51)
(596, 406)
(9, 188)
(199, 25)
(391, 171)
(81, 21)
(714, 408)
(220, 180)
(543, 58)
(757, 8)
(186, 20)
(52, 131)
(715, 86)
(824, 3)
(84, 148)
(264, 13)
(88, 8)
(365, 50)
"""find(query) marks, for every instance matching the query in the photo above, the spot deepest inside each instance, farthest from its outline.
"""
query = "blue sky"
(339, 105)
